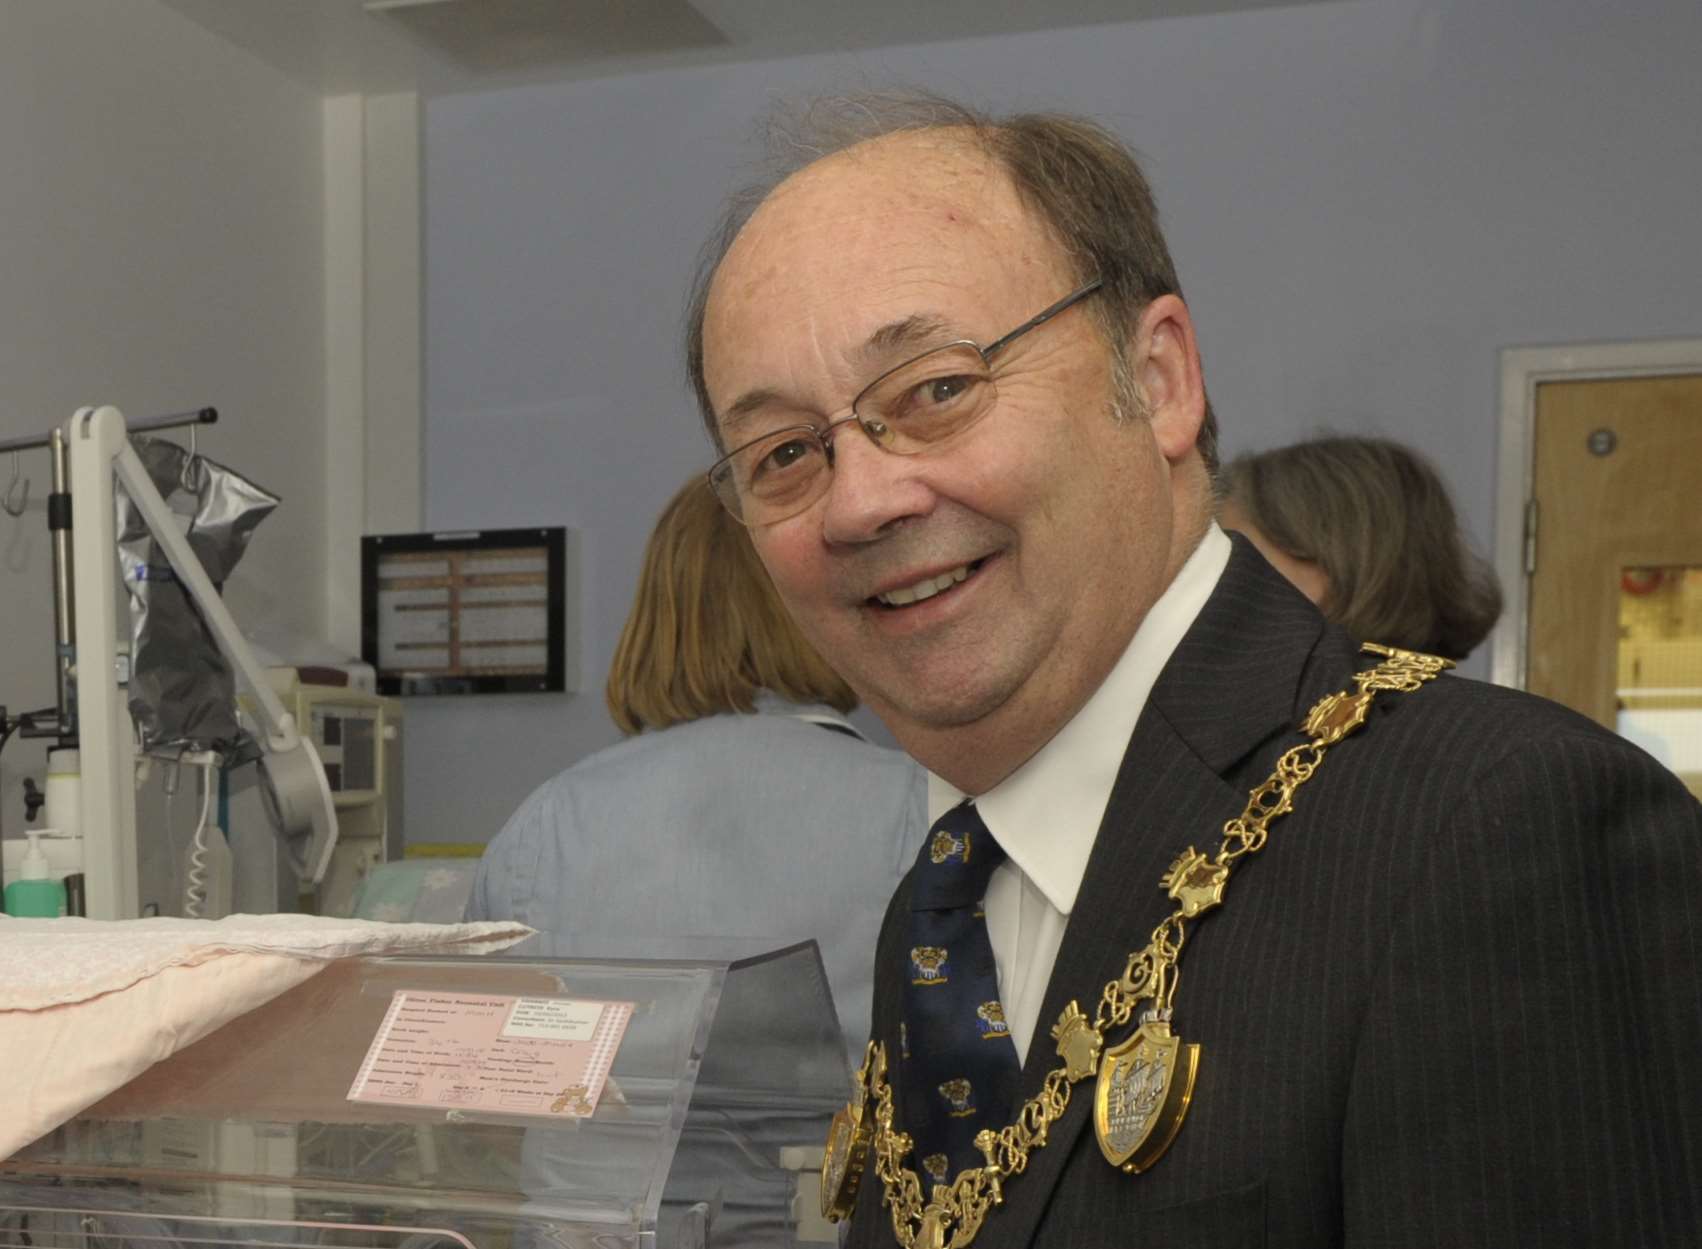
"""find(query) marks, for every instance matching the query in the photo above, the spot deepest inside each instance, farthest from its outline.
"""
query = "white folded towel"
(88, 1005)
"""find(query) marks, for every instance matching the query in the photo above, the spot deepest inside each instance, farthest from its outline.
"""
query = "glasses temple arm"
(1040, 318)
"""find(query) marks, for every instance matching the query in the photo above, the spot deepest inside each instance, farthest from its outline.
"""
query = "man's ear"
(1167, 372)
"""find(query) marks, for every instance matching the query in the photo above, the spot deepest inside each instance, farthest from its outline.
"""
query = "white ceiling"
(443, 46)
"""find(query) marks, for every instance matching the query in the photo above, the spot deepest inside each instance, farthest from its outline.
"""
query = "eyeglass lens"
(919, 404)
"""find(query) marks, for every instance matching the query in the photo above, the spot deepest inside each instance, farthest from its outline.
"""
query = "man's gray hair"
(1080, 181)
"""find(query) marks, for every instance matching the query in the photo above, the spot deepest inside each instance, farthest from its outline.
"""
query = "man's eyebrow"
(918, 332)
(746, 404)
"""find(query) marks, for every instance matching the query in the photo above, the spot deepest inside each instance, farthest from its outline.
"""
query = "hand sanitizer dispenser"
(35, 894)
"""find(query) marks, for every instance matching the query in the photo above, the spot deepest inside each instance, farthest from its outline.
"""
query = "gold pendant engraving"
(1145, 1085)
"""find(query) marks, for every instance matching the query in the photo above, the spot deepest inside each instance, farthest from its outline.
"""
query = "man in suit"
(1454, 1000)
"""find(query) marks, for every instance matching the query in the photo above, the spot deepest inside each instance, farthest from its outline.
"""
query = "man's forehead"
(858, 247)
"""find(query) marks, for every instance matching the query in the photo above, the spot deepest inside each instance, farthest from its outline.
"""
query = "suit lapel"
(1240, 673)
(1230, 686)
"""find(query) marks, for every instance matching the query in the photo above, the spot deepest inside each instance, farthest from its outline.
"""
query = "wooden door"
(1615, 600)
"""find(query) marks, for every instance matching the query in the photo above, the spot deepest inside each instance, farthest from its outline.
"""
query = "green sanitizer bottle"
(35, 894)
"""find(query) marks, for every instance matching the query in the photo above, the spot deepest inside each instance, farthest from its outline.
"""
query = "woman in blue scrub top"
(743, 805)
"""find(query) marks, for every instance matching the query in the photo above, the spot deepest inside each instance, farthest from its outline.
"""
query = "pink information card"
(508, 1055)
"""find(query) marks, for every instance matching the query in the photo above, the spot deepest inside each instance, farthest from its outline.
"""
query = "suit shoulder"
(1482, 699)
(1463, 713)
(1464, 735)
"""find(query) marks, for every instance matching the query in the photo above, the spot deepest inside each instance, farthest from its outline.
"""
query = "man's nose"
(870, 489)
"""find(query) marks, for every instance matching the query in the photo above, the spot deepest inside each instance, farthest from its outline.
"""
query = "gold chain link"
(954, 1213)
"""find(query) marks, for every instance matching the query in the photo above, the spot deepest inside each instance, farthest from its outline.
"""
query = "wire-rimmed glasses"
(914, 407)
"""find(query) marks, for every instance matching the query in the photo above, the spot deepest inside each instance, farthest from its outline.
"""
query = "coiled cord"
(195, 891)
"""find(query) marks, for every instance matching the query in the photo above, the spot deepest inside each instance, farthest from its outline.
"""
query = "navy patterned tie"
(959, 1065)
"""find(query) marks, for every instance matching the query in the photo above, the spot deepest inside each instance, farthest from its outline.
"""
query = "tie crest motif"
(943, 847)
(928, 965)
(959, 1066)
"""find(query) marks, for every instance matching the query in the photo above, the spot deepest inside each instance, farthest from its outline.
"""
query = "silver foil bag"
(182, 692)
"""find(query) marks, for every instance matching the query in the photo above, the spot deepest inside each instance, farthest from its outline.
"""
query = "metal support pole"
(64, 592)
(106, 736)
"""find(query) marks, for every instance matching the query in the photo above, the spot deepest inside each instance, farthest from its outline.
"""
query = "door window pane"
(1660, 665)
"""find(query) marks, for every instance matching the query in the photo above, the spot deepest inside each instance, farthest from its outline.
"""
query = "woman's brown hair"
(1376, 518)
(707, 631)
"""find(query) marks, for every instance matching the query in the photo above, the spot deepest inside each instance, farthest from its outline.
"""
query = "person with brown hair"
(743, 805)
(1364, 528)
(1452, 998)
(706, 635)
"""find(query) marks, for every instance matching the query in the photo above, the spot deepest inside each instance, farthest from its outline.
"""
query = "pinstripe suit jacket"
(1455, 1001)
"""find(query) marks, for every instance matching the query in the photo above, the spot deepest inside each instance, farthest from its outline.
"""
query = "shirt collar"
(768, 703)
(1046, 814)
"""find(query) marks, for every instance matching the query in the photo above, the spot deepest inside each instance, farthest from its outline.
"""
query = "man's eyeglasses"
(912, 408)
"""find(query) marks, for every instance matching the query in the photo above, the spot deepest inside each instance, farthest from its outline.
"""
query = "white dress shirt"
(1046, 814)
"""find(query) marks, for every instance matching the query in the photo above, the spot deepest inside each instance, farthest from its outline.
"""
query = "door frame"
(1523, 369)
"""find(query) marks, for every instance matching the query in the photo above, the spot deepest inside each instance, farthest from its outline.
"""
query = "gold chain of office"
(1145, 1083)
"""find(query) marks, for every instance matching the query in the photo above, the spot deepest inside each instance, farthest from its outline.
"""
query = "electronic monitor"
(465, 612)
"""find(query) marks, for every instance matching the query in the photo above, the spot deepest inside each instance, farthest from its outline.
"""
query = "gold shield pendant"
(1144, 1088)
(842, 1166)
(848, 1139)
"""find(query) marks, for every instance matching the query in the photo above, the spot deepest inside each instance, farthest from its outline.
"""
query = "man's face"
(1050, 525)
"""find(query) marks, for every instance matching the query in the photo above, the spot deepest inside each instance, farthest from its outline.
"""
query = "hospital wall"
(1366, 201)
(160, 249)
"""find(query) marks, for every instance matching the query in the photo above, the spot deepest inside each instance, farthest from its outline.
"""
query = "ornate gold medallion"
(1144, 1088)
(848, 1138)
(842, 1166)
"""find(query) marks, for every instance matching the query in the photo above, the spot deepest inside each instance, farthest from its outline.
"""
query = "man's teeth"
(926, 588)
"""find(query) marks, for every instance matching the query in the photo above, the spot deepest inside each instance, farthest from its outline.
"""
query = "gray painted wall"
(1366, 201)
(161, 248)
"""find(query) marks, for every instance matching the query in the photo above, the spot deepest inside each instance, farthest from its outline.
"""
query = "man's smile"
(926, 587)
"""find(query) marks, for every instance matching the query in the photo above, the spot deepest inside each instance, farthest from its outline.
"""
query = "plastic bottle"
(63, 790)
(35, 894)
